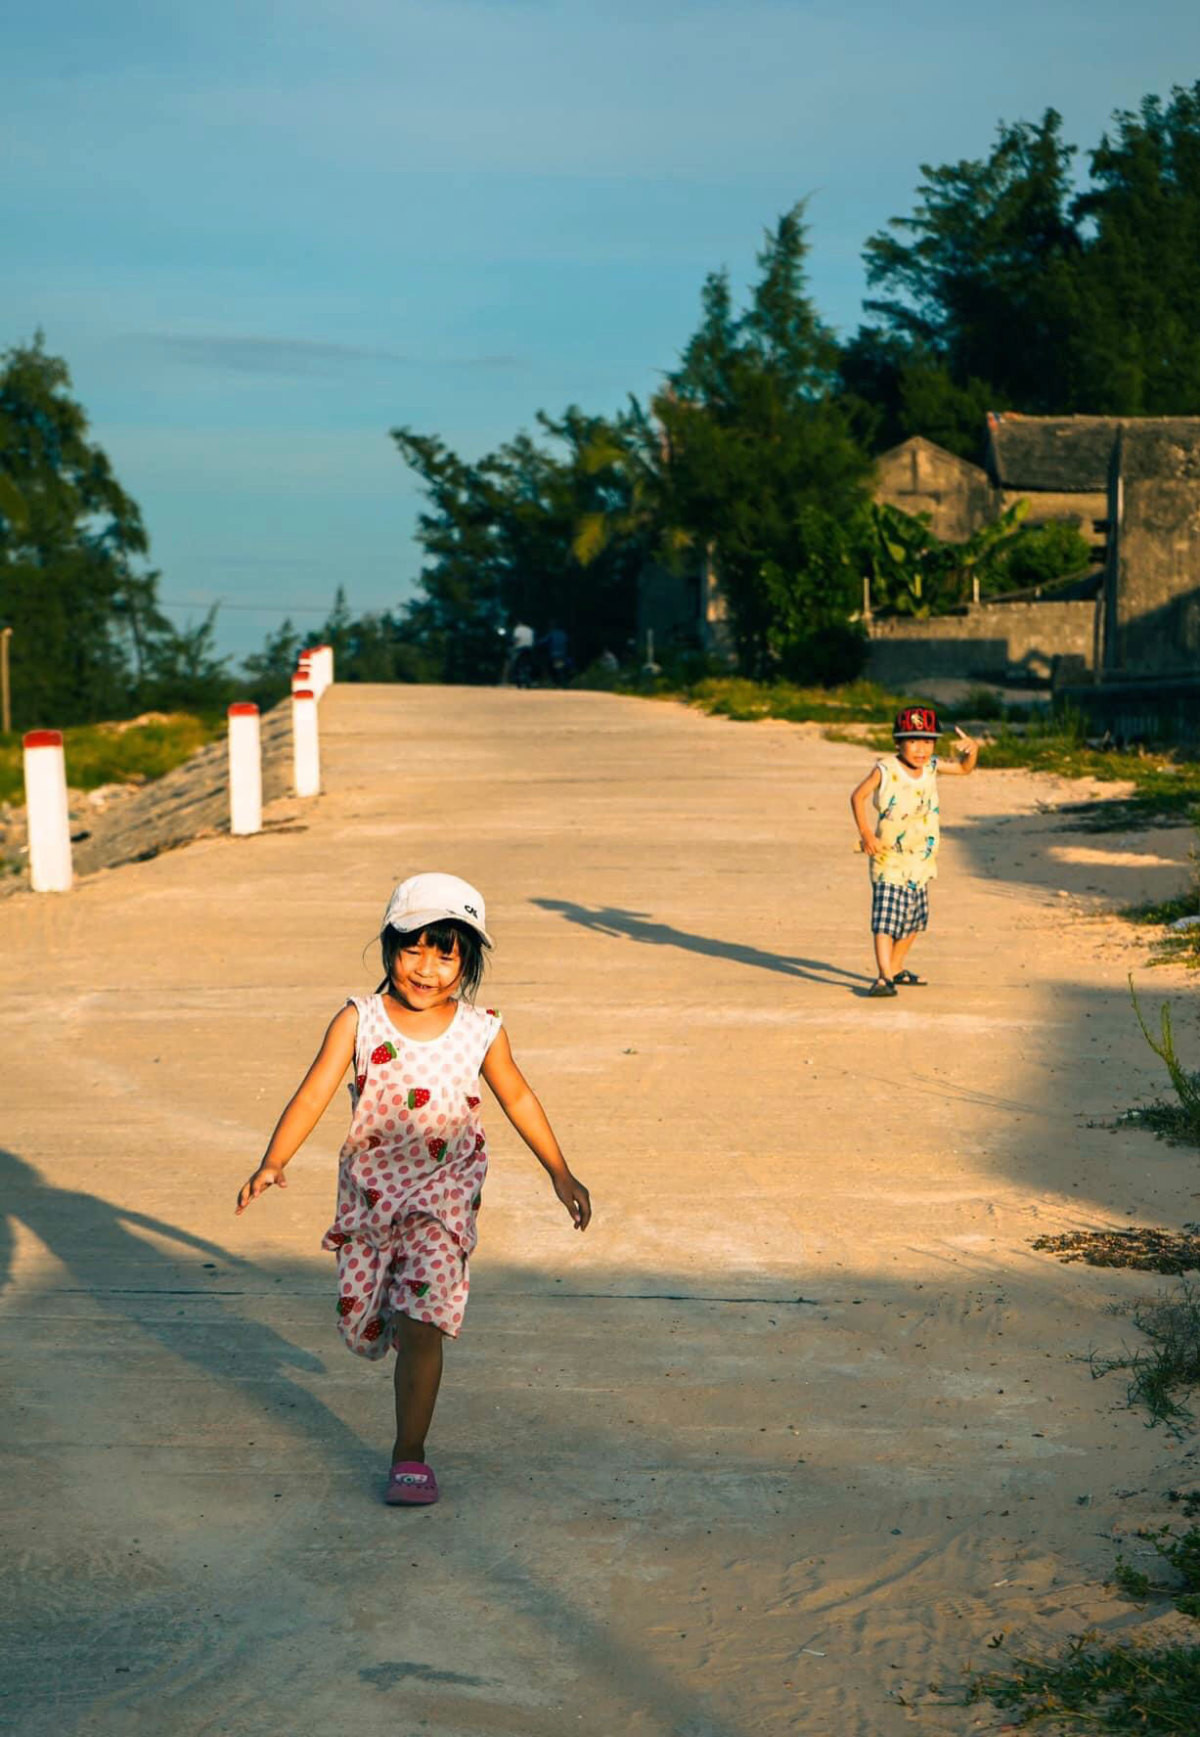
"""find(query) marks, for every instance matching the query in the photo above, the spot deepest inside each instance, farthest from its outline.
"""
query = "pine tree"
(70, 542)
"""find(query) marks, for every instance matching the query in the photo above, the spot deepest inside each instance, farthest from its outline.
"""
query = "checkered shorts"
(899, 911)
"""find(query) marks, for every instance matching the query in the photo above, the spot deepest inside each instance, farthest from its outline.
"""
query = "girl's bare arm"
(517, 1099)
(306, 1107)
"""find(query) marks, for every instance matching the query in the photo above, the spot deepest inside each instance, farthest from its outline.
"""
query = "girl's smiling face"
(424, 975)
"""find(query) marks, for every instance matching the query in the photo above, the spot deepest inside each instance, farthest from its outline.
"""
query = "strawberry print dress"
(409, 1176)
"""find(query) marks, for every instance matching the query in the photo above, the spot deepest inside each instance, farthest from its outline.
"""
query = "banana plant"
(912, 572)
(899, 554)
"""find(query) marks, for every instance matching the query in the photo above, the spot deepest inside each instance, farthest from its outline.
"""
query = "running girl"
(411, 1171)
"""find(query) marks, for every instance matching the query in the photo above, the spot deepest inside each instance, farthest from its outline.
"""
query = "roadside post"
(245, 769)
(6, 634)
(306, 754)
(46, 808)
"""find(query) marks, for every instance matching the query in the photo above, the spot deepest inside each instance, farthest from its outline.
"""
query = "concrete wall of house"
(990, 642)
(1085, 511)
(1154, 578)
(918, 477)
(1157, 709)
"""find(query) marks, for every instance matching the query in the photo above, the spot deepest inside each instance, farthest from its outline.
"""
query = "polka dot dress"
(409, 1176)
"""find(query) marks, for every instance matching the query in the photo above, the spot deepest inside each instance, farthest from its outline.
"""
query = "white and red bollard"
(306, 752)
(46, 809)
(322, 667)
(245, 769)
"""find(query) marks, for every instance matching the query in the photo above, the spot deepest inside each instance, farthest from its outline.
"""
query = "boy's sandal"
(410, 1484)
(911, 979)
(882, 986)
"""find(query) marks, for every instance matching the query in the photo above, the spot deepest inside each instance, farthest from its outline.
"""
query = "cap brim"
(412, 922)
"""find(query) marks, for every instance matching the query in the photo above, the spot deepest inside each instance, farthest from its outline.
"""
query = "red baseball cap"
(916, 721)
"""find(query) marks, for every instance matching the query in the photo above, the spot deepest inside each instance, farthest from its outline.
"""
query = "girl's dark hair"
(471, 946)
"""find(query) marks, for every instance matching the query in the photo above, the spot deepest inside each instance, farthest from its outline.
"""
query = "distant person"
(558, 655)
(518, 665)
(896, 811)
(411, 1170)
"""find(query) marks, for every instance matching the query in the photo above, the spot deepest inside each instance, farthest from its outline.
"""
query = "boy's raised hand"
(966, 743)
(266, 1176)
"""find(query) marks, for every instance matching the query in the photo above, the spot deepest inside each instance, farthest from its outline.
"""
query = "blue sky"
(262, 235)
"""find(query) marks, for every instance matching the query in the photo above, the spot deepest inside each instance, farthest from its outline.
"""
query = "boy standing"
(901, 837)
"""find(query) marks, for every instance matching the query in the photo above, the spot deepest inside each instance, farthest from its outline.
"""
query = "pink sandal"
(410, 1484)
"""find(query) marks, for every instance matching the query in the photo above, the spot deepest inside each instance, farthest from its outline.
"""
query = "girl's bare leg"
(418, 1377)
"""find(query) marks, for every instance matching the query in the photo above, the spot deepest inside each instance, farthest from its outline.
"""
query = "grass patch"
(1181, 1553)
(1123, 1688)
(1171, 946)
(116, 753)
(1162, 1374)
(1166, 787)
(1170, 1122)
(859, 702)
(1156, 913)
(1091, 1688)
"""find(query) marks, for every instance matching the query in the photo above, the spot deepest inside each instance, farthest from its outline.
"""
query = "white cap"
(423, 900)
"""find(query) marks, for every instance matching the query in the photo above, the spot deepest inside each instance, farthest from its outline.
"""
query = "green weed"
(1172, 946)
(1151, 1691)
(1158, 912)
(1163, 1373)
(1185, 1083)
(1131, 1581)
(1181, 1553)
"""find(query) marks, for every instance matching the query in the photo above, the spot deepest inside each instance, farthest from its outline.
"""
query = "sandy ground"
(797, 1427)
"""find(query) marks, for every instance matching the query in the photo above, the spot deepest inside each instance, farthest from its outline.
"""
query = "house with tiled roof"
(1131, 485)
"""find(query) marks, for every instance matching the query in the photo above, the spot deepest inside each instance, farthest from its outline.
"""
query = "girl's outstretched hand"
(574, 1197)
(266, 1176)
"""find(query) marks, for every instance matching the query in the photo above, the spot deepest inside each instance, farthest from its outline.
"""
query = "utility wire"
(253, 608)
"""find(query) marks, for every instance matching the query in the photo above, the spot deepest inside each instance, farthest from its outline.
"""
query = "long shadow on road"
(123, 1274)
(639, 926)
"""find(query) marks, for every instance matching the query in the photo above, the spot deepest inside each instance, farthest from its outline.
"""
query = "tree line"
(1013, 284)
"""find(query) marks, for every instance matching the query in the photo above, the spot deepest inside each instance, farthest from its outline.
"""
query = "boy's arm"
(967, 749)
(859, 798)
(518, 1101)
(306, 1107)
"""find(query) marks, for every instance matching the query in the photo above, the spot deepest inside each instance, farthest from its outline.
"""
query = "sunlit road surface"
(784, 1440)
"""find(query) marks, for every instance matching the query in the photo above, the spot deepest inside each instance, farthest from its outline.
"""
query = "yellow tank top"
(908, 824)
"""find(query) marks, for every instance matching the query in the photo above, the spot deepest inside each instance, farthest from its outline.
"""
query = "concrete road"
(782, 1442)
